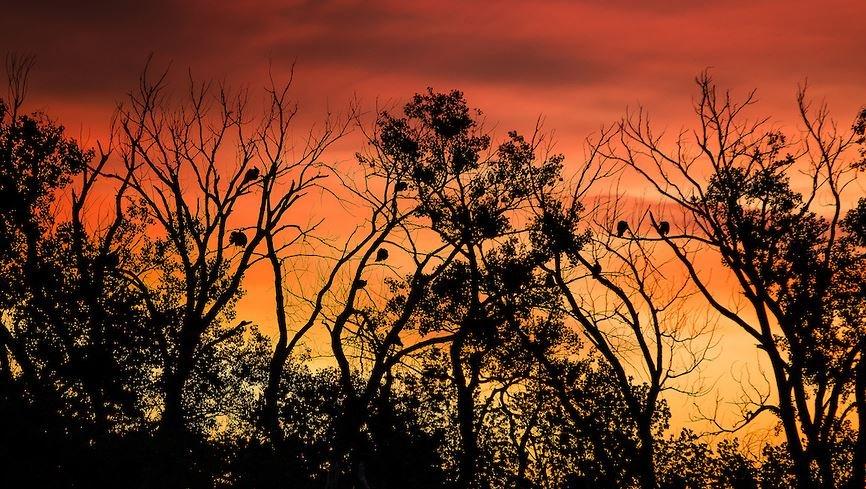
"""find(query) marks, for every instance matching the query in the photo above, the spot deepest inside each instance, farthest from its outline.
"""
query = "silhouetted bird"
(549, 281)
(400, 186)
(360, 283)
(664, 228)
(596, 269)
(382, 254)
(238, 238)
(398, 342)
(251, 176)
(621, 228)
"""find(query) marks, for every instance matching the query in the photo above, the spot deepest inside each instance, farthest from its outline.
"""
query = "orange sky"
(577, 63)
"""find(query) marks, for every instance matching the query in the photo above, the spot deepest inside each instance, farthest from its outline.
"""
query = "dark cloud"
(91, 52)
(87, 50)
(93, 48)
(499, 62)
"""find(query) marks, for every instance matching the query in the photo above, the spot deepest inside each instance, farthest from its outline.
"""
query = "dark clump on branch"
(381, 254)
(251, 176)
(621, 228)
(238, 238)
(664, 228)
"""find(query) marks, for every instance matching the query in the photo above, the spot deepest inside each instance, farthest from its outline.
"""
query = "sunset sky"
(577, 64)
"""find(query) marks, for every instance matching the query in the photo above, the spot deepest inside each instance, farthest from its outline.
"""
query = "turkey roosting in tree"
(664, 228)
(251, 175)
(238, 238)
(621, 228)
(381, 254)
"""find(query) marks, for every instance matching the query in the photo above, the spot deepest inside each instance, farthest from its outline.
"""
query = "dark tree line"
(492, 315)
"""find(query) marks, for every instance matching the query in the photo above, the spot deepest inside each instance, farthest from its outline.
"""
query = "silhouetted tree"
(613, 287)
(734, 186)
(470, 194)
(490, 319)
(75, 350)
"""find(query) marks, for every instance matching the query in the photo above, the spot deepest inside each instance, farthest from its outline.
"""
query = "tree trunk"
(347, 445)
(176, 469)
(172, 414)
(858, 474)
(468, 457)
(646, 455)
(788, 417)
(269, 420)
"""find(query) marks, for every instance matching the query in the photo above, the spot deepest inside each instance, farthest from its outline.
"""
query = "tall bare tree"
(732, 180)
(614, 288)
(218, 179)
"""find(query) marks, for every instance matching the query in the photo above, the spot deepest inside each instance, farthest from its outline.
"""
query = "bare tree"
(302, 170)
(732, 181)
(614, 288)
(218, 180)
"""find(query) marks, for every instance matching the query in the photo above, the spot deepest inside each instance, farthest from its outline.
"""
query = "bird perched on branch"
(381, 254)
(596, 269)
(400, 186)
(238, 238)
(251, 175)
(664, 228)
(621, 228)
(360, 283)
